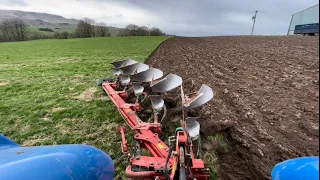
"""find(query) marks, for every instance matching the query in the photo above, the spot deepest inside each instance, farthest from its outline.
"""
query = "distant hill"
(34, 18)
(43, 20)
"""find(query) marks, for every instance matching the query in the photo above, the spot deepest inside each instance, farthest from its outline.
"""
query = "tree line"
(134, 30)
(87, 28)
(17, 30)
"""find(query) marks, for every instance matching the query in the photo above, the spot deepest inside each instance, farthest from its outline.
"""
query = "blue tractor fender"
(304, 168)
(61, 162)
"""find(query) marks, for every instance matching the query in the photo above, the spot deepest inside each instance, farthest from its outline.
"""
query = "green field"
(49, 96)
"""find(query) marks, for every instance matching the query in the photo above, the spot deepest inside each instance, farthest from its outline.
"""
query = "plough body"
(147, 136)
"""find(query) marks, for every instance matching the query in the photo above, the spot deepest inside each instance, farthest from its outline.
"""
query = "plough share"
(134, 88)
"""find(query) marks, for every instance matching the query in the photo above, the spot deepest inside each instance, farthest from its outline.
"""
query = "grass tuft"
(211, 157)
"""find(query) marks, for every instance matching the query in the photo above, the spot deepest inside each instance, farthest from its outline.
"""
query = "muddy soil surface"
(266, 96)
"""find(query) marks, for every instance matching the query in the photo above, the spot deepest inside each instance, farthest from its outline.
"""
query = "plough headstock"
(172, 161)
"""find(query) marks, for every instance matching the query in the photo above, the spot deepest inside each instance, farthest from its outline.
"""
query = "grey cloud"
(200, 17)
(186, 17)
(13, 2)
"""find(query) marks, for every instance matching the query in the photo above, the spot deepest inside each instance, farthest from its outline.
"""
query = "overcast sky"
(179, 17)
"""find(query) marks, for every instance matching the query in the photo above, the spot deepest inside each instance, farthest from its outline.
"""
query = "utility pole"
(254, 21)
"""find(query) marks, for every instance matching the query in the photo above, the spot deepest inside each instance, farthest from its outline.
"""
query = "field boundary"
(156, 49)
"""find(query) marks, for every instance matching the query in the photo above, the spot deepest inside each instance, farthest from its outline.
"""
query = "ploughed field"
(266, 102)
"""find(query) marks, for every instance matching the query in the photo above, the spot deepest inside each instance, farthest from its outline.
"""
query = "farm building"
(305, 21)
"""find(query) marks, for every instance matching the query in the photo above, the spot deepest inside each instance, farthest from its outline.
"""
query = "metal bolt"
(174, 153)
(206, 170)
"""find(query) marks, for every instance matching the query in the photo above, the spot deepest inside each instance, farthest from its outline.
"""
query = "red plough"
(136, 84)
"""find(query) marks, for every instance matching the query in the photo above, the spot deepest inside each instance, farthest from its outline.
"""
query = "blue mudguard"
(53, 162)
(304, 168)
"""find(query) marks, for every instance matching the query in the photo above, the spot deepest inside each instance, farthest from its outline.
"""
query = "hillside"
(43, 20)
(34, 18)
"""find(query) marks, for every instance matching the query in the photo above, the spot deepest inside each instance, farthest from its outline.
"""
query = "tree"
(156, 32)
(101, 31)
(13, 30)
(19, 29)
(123, 32)
(56, 35)
(61, 35)
(143, 31)
(64, 35)
(132, 29)
(5, 29)
(33, 35)
(45, 29)
(85, 28)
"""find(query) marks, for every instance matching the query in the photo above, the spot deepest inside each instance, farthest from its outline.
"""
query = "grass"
(211, 157)
(49, 96)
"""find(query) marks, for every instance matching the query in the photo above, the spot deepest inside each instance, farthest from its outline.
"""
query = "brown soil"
(266, 96)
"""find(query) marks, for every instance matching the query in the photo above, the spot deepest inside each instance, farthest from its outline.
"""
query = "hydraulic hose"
(164, 113)
(199, 147)
(166, 173)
